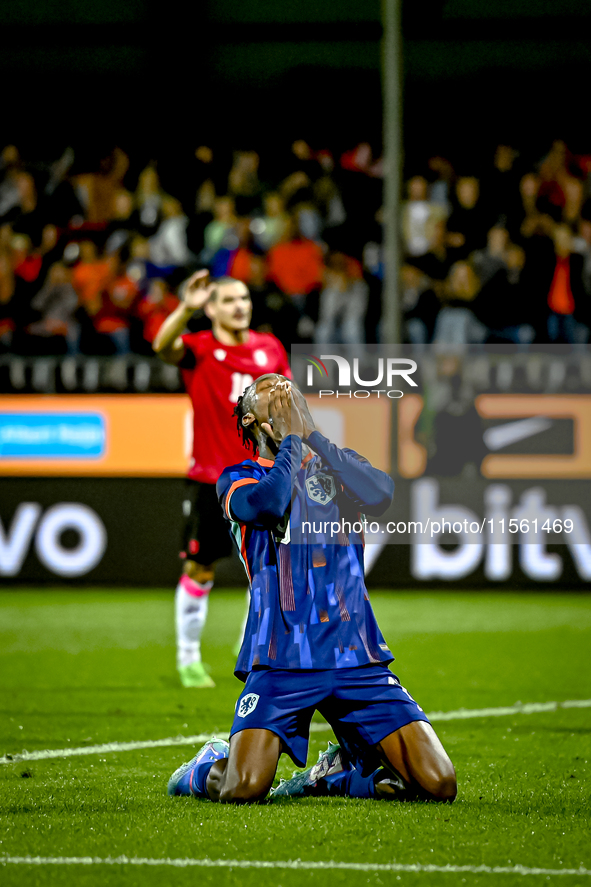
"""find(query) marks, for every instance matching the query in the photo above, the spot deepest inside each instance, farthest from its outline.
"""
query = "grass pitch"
(84, 668)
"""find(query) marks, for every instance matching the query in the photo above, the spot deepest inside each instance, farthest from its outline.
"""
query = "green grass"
(81, 668)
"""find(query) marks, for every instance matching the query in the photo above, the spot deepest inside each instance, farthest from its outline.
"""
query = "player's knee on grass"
(440, 786)
(230, 788)
(247, 776)
(246, 790)
(416, 755)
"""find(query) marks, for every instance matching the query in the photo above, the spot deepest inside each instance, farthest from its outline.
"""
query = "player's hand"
(306, 416)
(284, 415)
(197, 290)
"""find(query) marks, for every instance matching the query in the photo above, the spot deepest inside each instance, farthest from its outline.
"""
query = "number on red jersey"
(240, 381)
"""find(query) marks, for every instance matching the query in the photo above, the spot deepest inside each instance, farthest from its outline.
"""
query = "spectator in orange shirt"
(91, 276)
(296, 266)
(117, 307)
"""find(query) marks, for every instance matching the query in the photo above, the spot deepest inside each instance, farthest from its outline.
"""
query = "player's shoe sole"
(311, 781)
(195, 675)
(180, 783)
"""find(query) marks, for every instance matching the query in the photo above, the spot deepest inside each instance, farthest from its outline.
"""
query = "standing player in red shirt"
(216, 367)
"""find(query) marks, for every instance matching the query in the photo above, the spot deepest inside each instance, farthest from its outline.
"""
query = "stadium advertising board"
(92, 486)
(491, 456)
(95, 436)
(491, 485)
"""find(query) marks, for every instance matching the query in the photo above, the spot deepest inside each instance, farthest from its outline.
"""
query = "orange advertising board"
(509, 409)
(145, 435)
(137, 435)
(576, 407)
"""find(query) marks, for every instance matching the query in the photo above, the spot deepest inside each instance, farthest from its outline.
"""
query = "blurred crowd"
(93, 254)
(502, 254)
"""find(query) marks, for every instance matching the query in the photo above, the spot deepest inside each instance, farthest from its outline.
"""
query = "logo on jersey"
(321, 488)
(260, 358)
(247, 704)
(219, 354)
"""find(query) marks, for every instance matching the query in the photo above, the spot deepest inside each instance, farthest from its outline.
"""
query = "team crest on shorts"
(321, 488)
(247, 704)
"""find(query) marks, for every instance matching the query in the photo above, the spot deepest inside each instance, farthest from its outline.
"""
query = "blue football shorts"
(362, 705)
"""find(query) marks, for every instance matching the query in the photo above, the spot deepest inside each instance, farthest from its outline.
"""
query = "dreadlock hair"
(240, 410)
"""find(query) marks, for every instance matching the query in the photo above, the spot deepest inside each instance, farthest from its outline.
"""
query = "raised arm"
(168, 344)
(369, 487)
(261, 501)
(266, 500)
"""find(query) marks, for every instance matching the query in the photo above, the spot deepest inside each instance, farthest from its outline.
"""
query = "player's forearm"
(269, 498)
(371, 488)
(172, 328)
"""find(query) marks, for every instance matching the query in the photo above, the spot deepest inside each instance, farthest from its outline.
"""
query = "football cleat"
(195, 675)
(181, 781)
(389, 786)
(313, 780)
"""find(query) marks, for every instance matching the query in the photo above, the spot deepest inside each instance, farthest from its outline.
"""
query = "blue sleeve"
(369, 487)
(268, 499)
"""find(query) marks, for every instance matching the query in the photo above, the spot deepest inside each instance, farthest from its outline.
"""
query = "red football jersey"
(214, 384)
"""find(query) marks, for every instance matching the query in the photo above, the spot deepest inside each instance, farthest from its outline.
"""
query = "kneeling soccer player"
(312, 640)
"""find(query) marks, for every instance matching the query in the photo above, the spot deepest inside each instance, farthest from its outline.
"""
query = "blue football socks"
(349, 783)
(191, 778)
(199, 780)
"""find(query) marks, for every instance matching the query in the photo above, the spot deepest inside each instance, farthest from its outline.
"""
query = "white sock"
(191, 601)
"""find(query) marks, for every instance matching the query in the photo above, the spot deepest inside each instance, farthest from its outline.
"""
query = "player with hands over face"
(284, 414)
(312, 641)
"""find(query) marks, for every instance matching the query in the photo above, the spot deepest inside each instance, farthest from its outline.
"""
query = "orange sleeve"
(237, 483)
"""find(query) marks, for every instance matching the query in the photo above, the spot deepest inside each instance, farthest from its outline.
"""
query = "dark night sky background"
(251, 72)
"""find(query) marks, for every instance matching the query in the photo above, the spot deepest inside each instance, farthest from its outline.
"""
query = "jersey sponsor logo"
(321, 488)
(219, 354)
(247, 704)
(260, 358)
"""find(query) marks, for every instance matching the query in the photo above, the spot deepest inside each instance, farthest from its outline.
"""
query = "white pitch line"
(289, 864)
(524, 708)
(460, 714)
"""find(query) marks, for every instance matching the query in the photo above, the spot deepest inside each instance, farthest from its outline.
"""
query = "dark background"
(159, 78)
